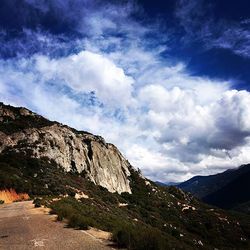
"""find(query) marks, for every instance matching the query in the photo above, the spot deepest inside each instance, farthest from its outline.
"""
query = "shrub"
(139, 238)
(71, 210)
(79, 222)
(1, 202)
(122, 236)
(37, 202)
(59, 217)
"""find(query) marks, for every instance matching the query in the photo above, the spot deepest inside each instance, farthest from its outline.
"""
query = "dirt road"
(24, 227)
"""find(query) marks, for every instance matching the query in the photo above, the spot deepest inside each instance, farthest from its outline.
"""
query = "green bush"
(59, 217)
(37, 202)
(122, 236)
(1, 202)
(139, 238)
(70, 210)
(79, 222)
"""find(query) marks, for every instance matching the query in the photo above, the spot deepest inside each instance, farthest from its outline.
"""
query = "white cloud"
(171, 130)
(197, 134)
(86, 72)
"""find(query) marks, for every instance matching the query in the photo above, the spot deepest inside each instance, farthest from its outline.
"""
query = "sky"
(166, 81)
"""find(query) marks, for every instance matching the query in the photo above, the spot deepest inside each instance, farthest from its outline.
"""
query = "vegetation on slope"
(232, 194)
(16, 122)
(151, 218)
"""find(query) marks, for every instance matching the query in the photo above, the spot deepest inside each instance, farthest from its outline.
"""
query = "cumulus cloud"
(185, 126)
(86, 72)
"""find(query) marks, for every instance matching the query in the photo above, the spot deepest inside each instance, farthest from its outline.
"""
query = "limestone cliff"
(24, 131)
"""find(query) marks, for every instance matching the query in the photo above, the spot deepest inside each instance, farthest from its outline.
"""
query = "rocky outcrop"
(75, 151)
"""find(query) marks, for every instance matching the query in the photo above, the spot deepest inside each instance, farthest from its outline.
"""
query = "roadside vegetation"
(152, 217)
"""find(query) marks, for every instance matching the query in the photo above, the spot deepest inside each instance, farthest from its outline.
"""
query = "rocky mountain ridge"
(22, 131)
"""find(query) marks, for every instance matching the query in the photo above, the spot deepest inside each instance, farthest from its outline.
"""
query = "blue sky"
(166, 81)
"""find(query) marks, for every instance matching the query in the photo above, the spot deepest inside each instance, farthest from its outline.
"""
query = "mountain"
(166, 183)
(233, 194)
(87, 182)
(226, 190)
(26, 133)
(162, 184)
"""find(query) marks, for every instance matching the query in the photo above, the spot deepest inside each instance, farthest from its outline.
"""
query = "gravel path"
(24, 227)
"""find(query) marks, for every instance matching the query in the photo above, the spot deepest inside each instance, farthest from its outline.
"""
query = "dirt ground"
(24, 227)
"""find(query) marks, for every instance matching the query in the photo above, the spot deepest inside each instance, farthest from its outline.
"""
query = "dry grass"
(9, 196)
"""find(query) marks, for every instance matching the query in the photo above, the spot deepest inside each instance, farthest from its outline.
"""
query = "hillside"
(202, 186)
(233, 194)
(25, 133)
(87, 182)
(225, 190)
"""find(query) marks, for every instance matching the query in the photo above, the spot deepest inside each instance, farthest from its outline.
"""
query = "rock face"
(24, 131)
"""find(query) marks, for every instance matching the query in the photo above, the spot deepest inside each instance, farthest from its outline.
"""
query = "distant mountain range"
(164, 184)
(228, 190)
